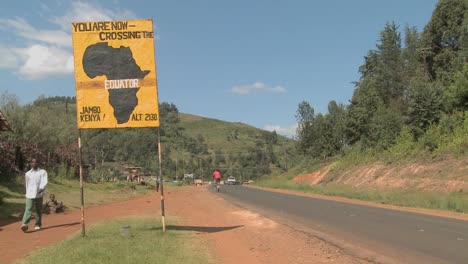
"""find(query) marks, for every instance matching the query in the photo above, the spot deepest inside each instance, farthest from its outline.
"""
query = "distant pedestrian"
(35, 183)
(142, 180)
(158, 181)
(135, 176)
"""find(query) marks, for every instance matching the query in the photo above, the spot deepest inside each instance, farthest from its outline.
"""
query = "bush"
(454, 133)
(459, 142)
(431, 139)
(104, 173)
(356, 155)
(405, 144)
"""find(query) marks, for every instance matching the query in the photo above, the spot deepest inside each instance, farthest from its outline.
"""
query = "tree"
(337, 120)
(219, 158)
(389, 81)
(426, 101)
(458, 92)
(321, 145)
(411, 53)
(271, 138)
(274, 137)
(364, 104)
(305, 113)
(15, 115)
(445, 40)
(384, 128)
(304, 116)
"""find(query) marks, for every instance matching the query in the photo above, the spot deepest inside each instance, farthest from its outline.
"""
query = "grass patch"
(68, 191)
(453, 201)
(105, 244)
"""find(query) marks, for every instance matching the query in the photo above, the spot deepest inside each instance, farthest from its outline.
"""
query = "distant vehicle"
(231, 180)
(198, 182)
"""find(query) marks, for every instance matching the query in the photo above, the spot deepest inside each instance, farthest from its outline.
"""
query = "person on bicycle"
(217, 177)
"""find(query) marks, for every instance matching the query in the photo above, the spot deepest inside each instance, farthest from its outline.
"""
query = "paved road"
(393, 235)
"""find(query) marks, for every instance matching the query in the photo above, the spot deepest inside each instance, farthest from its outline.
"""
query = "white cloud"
(288, 131)
(246, 89)
(83, 11)
(40, 61)
(23, 29)
(48, 52)
(279, 89)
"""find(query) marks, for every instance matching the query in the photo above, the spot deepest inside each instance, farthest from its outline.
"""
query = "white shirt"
(35, 180)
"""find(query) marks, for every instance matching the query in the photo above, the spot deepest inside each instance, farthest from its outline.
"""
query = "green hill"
(231, 137)
(235, 148)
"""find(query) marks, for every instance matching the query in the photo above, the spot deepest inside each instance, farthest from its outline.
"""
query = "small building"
(188, 178)
(133, 174)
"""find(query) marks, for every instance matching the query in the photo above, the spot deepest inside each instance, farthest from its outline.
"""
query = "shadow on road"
(202, 229)
(31, 229)
(9, 220)
(62, 225)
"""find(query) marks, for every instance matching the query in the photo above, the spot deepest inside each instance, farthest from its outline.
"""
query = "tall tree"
(411, 53)
(337, 120)
(364, 104)
(458, 92)
(304, 117)
(445, 40)
(426, 105)
(384, 128)
(390, 79)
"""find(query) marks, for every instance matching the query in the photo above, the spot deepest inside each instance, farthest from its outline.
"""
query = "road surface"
(383, 235)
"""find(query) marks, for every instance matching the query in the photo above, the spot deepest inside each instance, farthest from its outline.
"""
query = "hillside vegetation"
(190, 144)
(411, 99)
(238, 139)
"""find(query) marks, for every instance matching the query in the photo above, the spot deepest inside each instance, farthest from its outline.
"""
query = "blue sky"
(249, 61)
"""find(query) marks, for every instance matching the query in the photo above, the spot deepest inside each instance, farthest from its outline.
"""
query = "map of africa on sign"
(122, 73)
(115, 74)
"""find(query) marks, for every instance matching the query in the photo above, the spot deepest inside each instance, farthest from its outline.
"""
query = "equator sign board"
(115, 72)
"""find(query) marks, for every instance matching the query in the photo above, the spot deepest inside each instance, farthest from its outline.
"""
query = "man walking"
(35, 183)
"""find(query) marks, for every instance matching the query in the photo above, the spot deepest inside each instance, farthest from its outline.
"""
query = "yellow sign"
(115, 72)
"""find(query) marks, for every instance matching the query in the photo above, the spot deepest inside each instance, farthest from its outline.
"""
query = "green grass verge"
(68, 191)
(454, 201)
(105, 244)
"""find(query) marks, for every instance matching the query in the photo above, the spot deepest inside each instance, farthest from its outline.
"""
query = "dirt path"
(235, 234)
(15, 244)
